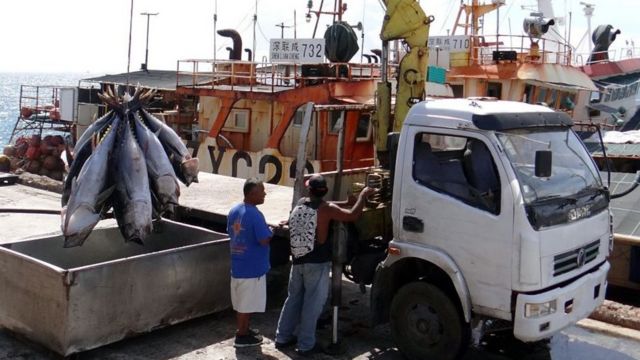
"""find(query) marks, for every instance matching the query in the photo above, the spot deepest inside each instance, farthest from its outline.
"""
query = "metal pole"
(301, 158)
(315, 28)
(129, 52)
(339, 242)
(146, 51)
(255, 21)
(215, 22)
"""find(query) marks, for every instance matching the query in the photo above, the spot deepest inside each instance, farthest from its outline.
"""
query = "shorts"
(249, 295)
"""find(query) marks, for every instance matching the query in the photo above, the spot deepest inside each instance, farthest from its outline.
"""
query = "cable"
(446, 19)
(261, 32)
(30, 211)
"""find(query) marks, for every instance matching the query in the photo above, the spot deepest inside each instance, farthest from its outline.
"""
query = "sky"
(92, 36)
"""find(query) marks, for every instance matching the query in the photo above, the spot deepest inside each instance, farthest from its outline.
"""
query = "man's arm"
(350, 215)
(262, 231)
(265, 241)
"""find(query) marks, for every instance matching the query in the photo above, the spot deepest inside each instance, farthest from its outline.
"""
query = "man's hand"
(367, 191)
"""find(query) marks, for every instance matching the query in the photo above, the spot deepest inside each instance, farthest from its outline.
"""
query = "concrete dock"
(210, 199)
(211, 337)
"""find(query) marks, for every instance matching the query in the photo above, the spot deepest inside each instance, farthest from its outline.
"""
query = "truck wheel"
(425, 324)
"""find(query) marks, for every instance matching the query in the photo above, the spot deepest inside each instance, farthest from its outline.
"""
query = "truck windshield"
(573, 171)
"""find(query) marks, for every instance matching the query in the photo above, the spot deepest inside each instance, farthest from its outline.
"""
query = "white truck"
(498, 212)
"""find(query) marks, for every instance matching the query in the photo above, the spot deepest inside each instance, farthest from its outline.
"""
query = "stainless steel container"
(75, 299)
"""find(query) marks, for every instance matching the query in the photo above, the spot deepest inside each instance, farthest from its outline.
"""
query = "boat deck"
(209, 200)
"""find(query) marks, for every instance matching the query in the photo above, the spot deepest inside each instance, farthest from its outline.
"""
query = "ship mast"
(473, 13)
(338, 9)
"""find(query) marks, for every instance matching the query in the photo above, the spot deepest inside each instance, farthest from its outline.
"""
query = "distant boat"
(617, 75)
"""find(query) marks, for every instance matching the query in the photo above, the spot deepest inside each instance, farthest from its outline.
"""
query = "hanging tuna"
(128, 161)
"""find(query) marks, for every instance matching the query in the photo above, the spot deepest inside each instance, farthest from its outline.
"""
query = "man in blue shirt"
(250, 236)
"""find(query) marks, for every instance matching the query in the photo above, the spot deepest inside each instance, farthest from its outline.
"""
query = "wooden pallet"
(7, 179)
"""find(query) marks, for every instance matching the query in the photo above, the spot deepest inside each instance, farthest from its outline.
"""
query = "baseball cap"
(316, 182)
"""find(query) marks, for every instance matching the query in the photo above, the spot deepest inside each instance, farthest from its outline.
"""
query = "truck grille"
(576, 258)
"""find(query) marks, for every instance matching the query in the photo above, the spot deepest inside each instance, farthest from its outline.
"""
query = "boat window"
(528, 94)
(541, 95)
(494, 89)
(596, 97)
(363, 132)
(553, 96)
(458, 91)
(568, 102)
(298, 117)
(238, 120)
(336, 119)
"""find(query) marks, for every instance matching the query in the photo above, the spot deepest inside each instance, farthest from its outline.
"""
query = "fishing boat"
(534, 67)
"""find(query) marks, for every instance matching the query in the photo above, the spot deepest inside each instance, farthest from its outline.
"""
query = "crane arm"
(404, 20)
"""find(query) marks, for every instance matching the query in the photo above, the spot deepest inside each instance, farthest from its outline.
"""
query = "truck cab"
(479, 231)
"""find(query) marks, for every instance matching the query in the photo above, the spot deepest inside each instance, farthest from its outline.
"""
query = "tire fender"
(441, 260)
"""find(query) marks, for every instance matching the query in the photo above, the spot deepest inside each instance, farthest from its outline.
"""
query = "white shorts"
(249, 295)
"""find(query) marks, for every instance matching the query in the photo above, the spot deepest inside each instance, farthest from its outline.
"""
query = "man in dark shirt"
(309, 278)
(250, 237)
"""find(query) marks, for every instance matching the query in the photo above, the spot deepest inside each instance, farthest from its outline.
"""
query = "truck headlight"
(542, 309)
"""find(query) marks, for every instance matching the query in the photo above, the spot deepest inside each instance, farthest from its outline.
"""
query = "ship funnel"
(236, 52)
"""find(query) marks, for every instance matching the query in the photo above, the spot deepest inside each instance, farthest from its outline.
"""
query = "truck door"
(455, 198)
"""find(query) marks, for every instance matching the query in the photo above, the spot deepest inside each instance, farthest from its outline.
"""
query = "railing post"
(193, 74)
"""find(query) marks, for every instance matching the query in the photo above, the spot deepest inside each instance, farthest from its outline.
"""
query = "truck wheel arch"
(437, 269)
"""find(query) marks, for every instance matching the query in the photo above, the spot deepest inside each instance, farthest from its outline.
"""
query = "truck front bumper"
(573, 302)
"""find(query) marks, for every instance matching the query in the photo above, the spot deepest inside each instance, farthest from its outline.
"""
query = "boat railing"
(265, 76)
(600, 57)
(517, 48)
(40, 110)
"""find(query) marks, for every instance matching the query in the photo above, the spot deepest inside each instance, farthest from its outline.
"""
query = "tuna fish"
(89, 191)
(133, 169)
(132, 201)
(185, 166)
(161, 175)
(82, 151)
(96, 127)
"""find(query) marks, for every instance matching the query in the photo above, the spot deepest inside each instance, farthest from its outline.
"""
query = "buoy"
(9, 150)
(54, 114)
(5, 163)
(26, 112)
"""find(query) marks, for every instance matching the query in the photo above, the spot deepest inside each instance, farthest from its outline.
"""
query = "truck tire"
(426, 324)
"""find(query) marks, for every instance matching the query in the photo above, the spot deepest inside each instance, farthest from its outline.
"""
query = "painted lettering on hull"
(268, 164)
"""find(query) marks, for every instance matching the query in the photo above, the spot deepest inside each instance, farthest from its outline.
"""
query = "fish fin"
(136, 240)
(75, 240)
(74, 184)
(103, 196)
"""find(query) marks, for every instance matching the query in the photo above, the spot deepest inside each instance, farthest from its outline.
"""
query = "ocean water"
(10, 94)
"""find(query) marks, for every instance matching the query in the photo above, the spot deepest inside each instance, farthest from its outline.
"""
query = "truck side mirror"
(543, 163)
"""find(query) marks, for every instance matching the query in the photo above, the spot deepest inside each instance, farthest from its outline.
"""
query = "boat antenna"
(588, 13)
(255, 21)
(215, 22)
(129, 52)
(295, 25)
(362, 33)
